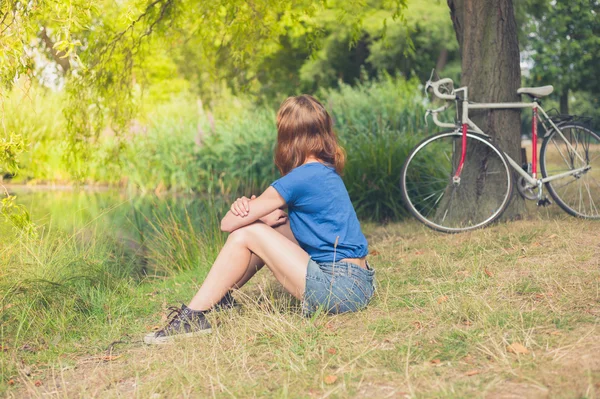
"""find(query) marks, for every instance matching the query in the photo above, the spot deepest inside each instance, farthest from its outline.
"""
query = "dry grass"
(446, 310)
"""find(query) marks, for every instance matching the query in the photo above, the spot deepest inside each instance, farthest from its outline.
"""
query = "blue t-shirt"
(320, 210)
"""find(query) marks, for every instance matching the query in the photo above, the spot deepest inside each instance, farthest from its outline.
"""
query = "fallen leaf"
(553, 236)
(418, 325)
(331, 351)
(472, 372)
(467, 322)
(536, 244)
(488, 273)
(436, 361)
(442, 299)
(419, 252)
(374, 253)
(11, 382)
(555, 333)
(37, 383)
(6, 307)
(330, 379)
(517, 348)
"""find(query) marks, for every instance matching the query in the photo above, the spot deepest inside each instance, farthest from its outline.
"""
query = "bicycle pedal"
(544, 202)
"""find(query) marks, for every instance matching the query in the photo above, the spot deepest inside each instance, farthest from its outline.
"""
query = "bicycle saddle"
(536, 91)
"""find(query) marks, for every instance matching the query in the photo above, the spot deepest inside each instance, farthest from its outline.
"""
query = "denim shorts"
(337, 287)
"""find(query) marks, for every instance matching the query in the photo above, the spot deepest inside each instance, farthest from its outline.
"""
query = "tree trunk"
(487, 35)
(442, 60)
(564, 102)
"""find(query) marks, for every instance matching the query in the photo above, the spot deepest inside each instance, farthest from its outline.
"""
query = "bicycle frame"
(467, 123)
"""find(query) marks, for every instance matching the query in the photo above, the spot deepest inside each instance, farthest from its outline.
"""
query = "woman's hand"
(241, 206)
(241, 215)
(275, 218)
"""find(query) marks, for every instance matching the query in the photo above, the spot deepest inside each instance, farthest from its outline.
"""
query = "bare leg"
(285, 259)
(256, 263)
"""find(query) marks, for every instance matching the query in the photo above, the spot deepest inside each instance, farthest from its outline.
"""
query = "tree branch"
(58, 56)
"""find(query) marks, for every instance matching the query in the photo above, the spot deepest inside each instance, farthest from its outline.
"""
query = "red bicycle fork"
(463, 155)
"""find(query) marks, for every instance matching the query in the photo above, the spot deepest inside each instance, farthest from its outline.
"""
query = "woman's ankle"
(204, 306)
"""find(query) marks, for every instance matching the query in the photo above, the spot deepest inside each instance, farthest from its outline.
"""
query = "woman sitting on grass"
(319, 256)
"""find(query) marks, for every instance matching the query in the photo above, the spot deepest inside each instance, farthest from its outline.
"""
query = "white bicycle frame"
(532, 179)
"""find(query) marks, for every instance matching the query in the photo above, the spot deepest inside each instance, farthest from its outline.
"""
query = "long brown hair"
(304, 128)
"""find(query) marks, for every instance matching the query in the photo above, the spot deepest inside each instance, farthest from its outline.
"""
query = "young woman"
(318, 256)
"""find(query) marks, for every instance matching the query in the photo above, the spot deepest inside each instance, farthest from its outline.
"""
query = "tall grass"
(87, 275)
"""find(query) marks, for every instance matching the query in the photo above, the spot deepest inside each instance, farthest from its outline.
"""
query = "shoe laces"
(174, 316)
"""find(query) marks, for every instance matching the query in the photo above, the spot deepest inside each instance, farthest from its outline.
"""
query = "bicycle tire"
(591, 154)
(410, 184)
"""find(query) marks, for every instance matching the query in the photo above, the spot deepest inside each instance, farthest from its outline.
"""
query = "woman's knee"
(244, 235)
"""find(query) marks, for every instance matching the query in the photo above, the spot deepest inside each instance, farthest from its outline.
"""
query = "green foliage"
(16, 215)
(36, 113)
(564, 39)
(10, 148)
(381, 44)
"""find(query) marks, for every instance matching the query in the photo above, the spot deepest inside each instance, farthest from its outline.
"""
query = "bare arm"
(266, 203)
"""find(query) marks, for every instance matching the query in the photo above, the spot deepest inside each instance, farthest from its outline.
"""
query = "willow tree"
(103, 50)
(488, 39)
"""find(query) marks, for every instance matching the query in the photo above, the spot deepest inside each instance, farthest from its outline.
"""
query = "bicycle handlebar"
(434, 113)
(436, 90)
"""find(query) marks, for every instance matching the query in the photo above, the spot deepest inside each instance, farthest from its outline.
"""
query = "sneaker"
(226, 303)
(184, 323)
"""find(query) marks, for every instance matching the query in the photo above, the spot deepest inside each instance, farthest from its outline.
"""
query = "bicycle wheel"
(480, 197)
(577, 193)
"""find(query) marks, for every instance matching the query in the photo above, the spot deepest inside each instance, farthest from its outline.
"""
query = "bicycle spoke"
(561, 154)
(449, 202)
(567, 183)
(592, 204)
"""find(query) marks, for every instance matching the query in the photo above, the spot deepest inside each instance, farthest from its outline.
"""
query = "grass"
(446, 312)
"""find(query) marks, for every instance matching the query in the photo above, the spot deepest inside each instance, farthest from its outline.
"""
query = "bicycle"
(470, 184)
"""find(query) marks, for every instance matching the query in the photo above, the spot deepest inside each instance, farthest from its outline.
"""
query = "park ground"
(510, 311)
